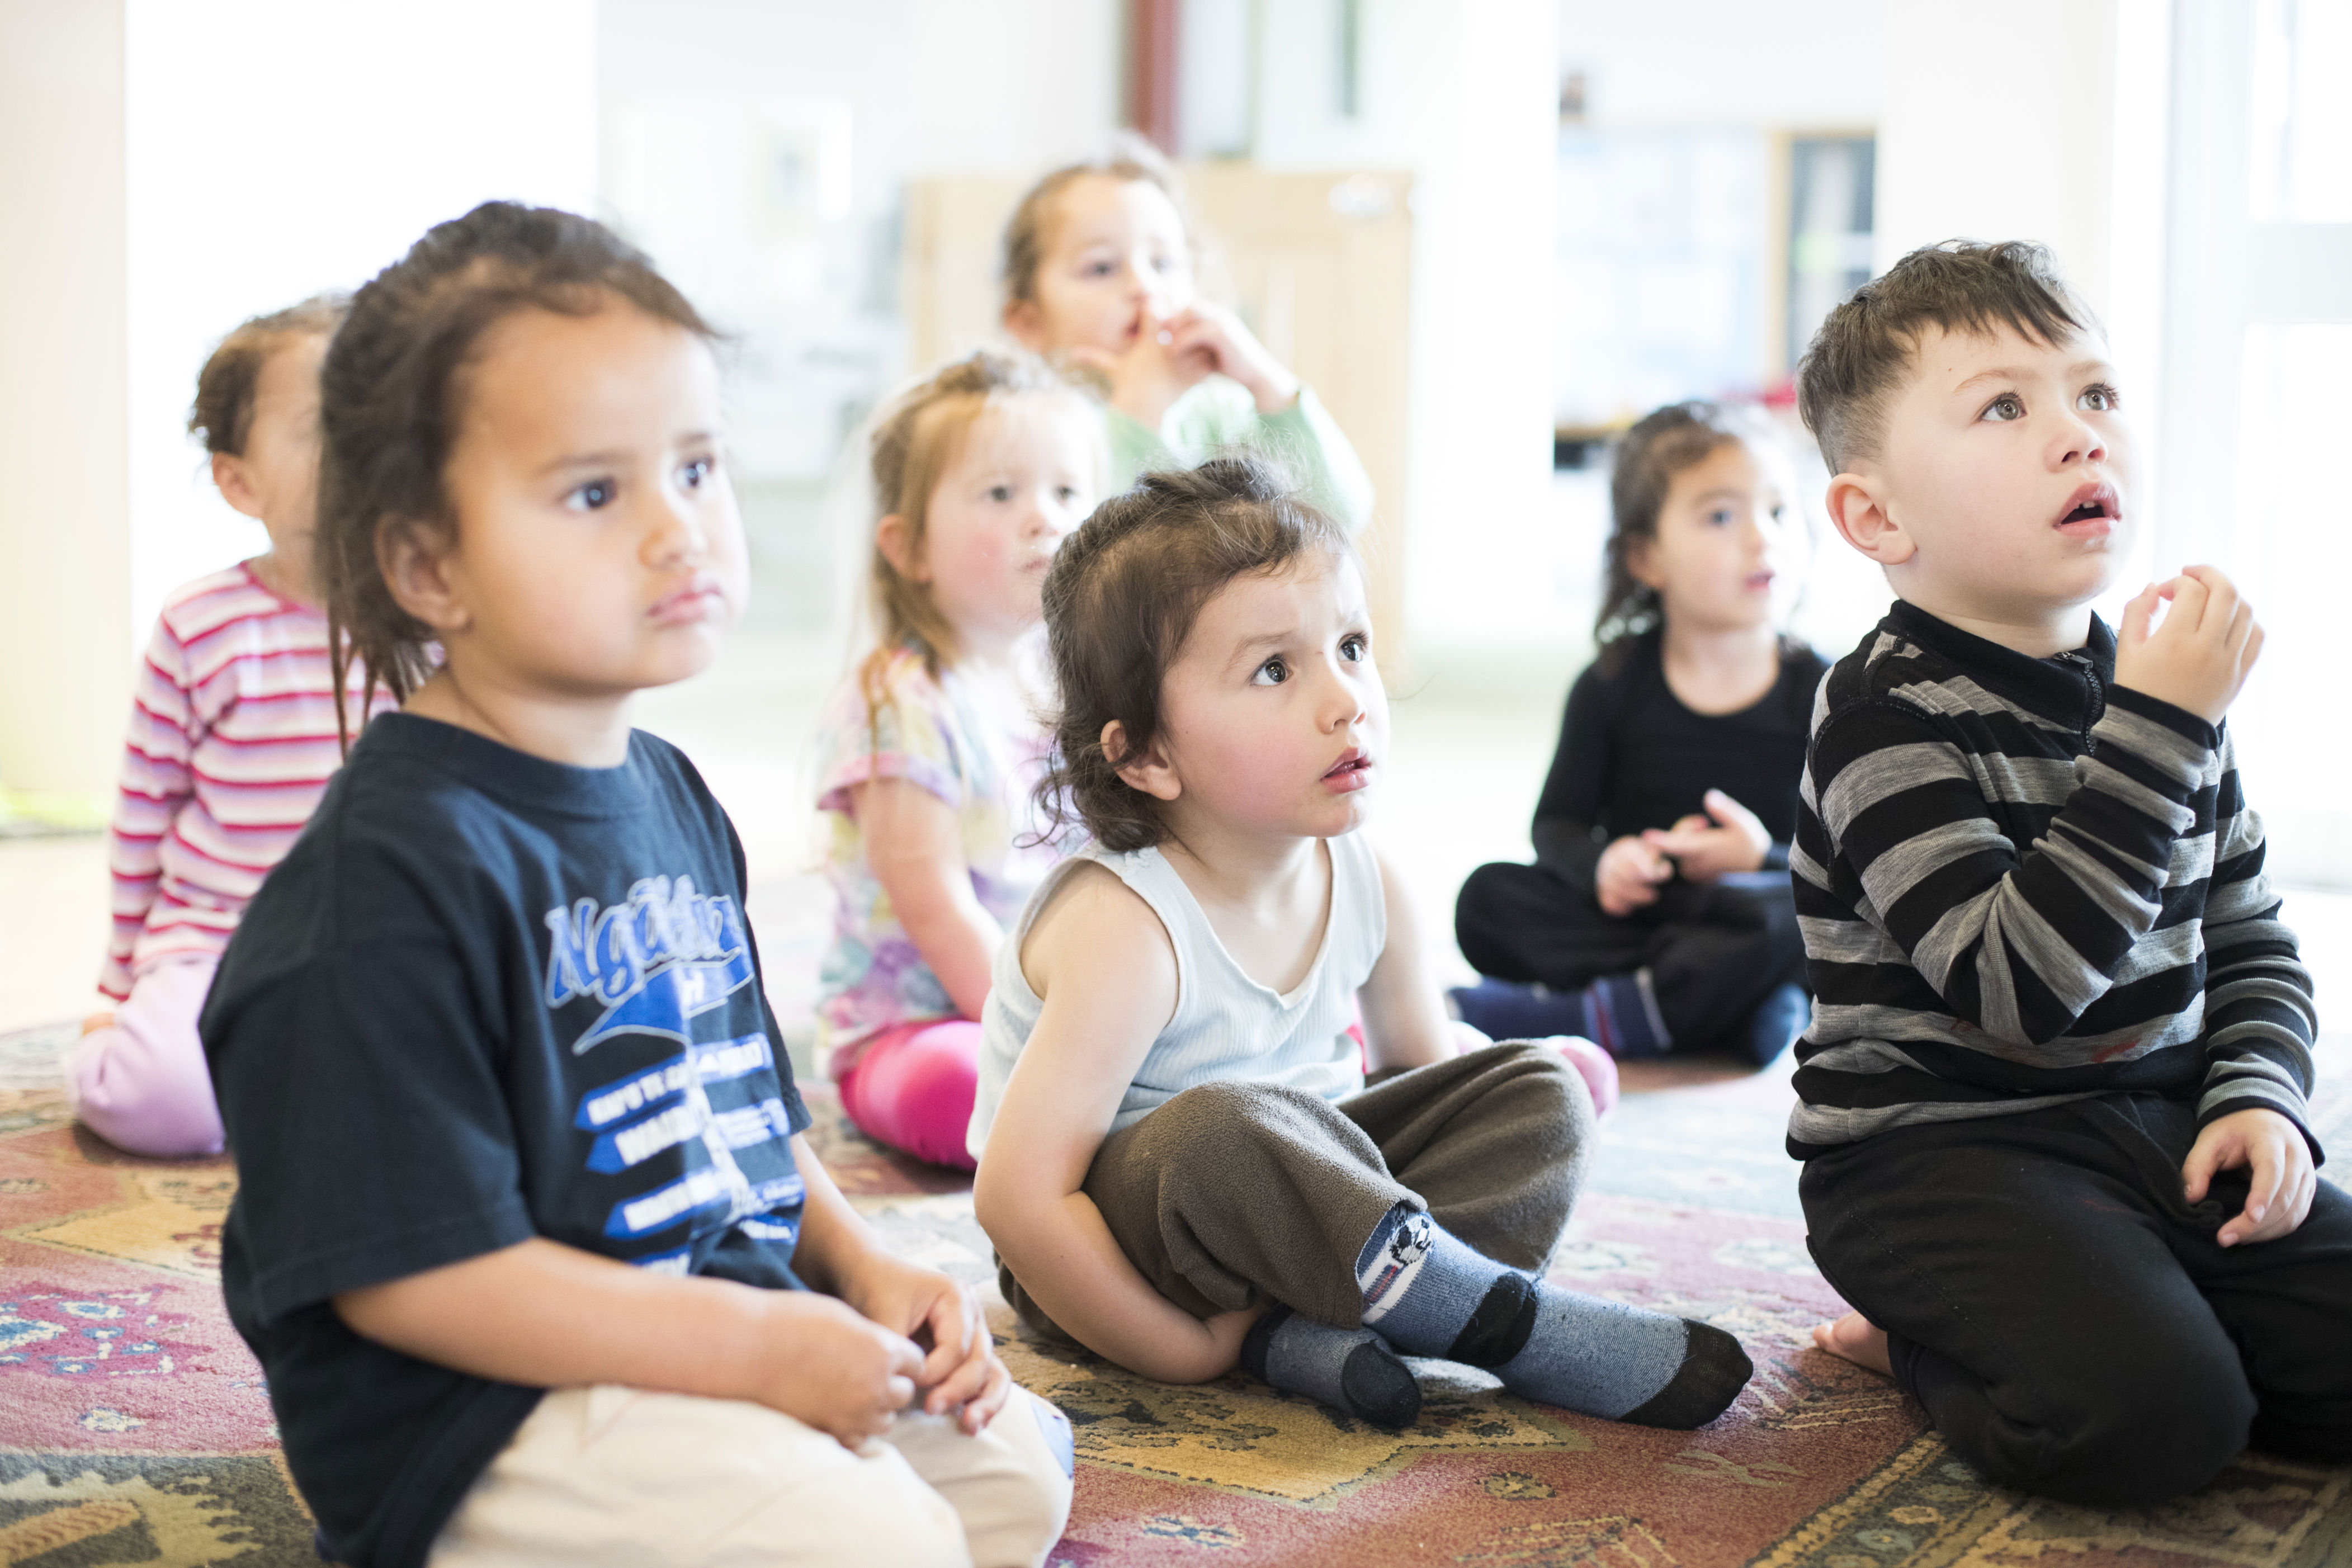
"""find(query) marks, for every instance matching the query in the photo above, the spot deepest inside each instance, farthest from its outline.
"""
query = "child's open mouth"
(1352, 772)
(2091, 512)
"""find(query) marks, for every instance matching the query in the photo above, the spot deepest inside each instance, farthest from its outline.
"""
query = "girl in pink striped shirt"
(232, 739)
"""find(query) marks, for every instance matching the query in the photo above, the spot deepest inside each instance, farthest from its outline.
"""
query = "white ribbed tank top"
(1226, 1026)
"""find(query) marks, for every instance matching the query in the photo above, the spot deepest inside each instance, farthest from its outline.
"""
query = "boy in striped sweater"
(2052, 1104)
(232, 739)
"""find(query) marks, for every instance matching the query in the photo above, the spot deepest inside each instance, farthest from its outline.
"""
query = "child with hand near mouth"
(932, 746)
(2052, 1103)
(1657, 914)
(1099, 263)
(1184, 1164)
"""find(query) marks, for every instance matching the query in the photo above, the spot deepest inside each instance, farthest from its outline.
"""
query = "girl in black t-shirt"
(1657, 914)
(529, 1237)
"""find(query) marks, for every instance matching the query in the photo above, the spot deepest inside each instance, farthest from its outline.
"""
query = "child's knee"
(142, 1096)
(1026, 1517)
(2142, 1437)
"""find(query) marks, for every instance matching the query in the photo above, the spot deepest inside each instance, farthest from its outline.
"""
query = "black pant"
(1713, 950)
(2067, 1318)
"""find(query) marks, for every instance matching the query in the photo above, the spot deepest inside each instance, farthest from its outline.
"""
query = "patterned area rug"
(134, 1425)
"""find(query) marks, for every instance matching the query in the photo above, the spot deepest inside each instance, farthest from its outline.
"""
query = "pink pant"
(140, 1083)
(912, 1088)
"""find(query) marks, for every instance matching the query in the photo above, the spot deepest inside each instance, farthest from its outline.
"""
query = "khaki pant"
(618, 1475)
(1236, 1194)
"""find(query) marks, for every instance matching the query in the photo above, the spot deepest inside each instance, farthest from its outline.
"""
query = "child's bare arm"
(915, 845)
(547, 1315)
(1103, 966)
(1405, 1022)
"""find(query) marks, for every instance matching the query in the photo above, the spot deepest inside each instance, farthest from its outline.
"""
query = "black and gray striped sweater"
(2022, 885)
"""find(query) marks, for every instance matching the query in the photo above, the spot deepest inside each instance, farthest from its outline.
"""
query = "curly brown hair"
(1119, 602)
(1643, 463)
(392, 401)
(223, 411)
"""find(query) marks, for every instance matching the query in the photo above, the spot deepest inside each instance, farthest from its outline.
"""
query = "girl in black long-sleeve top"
(1657, 913)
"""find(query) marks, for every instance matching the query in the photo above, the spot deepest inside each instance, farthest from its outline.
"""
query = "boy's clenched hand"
(833, 1368)
(2285, 1181)
(962, 1375)
(2200, 657)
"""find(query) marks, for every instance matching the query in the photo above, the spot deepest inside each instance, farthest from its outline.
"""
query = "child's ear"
(1860, 511)
(894, 536)
(235, 484)
(1641, 561)
(415, 567)
(1146, 771)
(1027, 322)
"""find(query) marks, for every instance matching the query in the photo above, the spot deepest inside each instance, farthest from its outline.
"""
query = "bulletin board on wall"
(1696, 262)
(1317, 264)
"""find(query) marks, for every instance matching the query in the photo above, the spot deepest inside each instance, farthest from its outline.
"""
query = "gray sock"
(1348, 1369)
(1622, 1364)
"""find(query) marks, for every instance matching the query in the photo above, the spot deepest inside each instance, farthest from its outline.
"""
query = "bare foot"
(1858, 1339)
(98, 1020)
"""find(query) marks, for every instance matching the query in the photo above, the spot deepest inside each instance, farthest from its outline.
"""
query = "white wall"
(275, 148)
(64, 608)
(1465, 94)
(1809, 64)
(2064, 142)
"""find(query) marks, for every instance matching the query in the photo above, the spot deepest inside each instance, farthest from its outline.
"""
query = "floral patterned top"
(942, 733)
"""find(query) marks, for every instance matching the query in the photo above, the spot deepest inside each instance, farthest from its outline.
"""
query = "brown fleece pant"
(1236, 1194)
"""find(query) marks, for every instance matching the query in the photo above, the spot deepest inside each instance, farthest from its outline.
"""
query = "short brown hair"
(1866, 346)
(1027, 232)
(223, 412)
(390, 401)
(1122, 597)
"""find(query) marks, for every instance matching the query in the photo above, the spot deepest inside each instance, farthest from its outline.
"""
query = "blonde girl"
(1100, 273)
(527, 1236)
(929, 751)
(1184, 1164)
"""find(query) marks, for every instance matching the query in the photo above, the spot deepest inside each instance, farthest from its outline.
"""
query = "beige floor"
(1470, 746)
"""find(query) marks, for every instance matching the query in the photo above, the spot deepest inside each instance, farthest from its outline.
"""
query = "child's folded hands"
(1728, 838)
(960, 1372)
(2283, 1178)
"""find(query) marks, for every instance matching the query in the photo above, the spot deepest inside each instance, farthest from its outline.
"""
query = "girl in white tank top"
(1180, 1162)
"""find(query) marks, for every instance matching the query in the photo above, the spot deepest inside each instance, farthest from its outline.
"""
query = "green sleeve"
(1220, 413)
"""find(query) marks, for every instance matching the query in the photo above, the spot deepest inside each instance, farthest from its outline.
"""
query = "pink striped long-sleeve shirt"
(232, 741)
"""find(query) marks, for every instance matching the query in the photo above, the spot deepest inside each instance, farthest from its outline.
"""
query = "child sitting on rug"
(527, 1236)
(1657, 915)
(232, 739)
(1099, 263)
(1181, 1162)
(931, 749)
(2052, 1104)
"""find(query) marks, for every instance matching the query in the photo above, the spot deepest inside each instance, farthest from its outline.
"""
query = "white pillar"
(65, 511)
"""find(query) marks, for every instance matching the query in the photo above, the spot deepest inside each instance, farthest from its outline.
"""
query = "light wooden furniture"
(1319, 265)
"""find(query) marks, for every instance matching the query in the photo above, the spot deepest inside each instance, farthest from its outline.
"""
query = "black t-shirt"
(1632, 756)
(486, 997)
